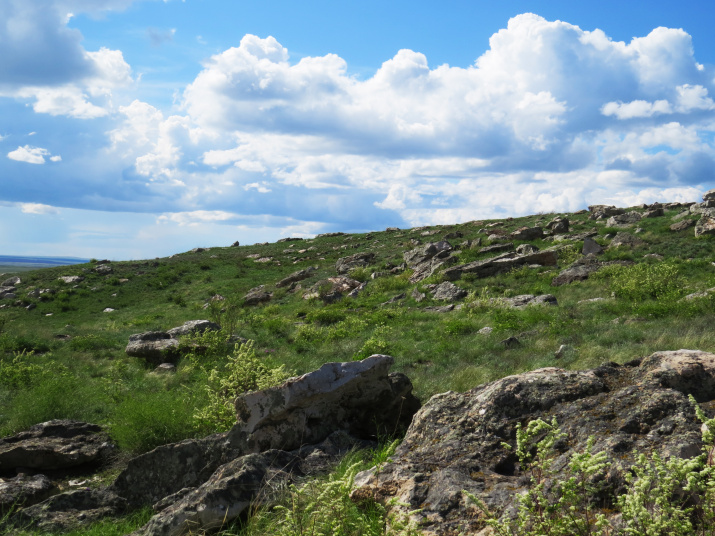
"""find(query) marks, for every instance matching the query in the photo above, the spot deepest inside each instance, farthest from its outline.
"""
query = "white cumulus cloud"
(29, 154)
(38, 208)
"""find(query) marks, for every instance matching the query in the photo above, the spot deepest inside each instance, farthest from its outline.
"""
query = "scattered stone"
(591, 247)
(486, 330)
(599, 212)
(376, 275)
(235, 244)
(625, 239)
(440, 308)
(358, 260)
(701, 294)
(526, 249)
(592, 300)
(682, 225)
(624, 220)
(417, 295)
(290, 239)
(357, 290)
(11, 282)
(69, 279)
(198, 250)
(395, 299)
(654, 213)
(447, 291)
(300, 275)
(108, 310)
(511, 342)
(165, 368)
(525, 300)
(559, 225)
(332, 289)
(193, 326)
(654, 256)
(57, 444)
(104, 269)
(563, 349)
(257, 295)
(527, 233)
(264, 259)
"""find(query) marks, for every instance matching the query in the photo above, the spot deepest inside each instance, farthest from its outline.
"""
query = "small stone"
(486, 330)
(108, 310)
(511, 342)
(558, 354)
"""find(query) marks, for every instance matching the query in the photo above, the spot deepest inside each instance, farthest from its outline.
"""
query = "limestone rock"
(527, 233)
(11, 282)
(447, 291)
(300, 275)
(498, 248)
(58, 444)
(654, 212)
(709, 195)
(501, 264)
(526, 249)
(359, 260)
(524, 300)
(427, 259)
(590, 246)
(69, 510)
(559, 225)
(104, 269)
(624, 220)
(257, 295)
(24, 490)
(69, 279)
(454, 442)
(682, 225)
(705, 225)
(625, 239)
(333, 288)
(155, 346)
(193, 326)
(599, 212)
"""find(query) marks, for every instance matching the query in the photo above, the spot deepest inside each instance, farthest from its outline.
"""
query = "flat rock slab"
(58, 444)
(193, 326)
(455, 440)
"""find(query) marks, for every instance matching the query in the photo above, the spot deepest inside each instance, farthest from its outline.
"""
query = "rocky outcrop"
(527, 233)
(599, 212)
(359, 398)
(51, 445)
(625, 239)
(682, 225)
(591, 247)
(333, 289)
(359, 260)
(70, 279)
(11, 281)
(455, 440)
(501, 264)
(498, 248)
(427, 259)
(525, 300)
(624, 220)
(558, 225)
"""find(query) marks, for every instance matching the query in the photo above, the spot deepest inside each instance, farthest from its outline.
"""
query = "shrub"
(243, 372)
(326, 316)
(644, 281)
(17, 372)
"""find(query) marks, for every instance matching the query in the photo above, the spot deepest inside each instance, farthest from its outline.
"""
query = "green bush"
(242, 372)
(644, 281)
(17, 372)
(88, 343)
(326, 316)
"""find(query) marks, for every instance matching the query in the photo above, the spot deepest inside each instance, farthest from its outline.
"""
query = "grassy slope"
(69, 343)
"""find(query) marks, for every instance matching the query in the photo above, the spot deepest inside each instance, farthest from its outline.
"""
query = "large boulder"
(447, 291)
(455, 440)
(426, 260)
(24, 490)
(625, 239)
(300, 275)
(257, 295)
(527, 233)
(58, 444)
(333, 289)
(156, 347)
(558, 225)
(599, 212)
(11, 281)
(624, 220)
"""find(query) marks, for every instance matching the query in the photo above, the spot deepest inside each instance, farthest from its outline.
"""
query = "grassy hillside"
(67, 343)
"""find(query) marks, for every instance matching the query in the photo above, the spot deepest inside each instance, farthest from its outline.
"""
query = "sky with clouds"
(141, 128)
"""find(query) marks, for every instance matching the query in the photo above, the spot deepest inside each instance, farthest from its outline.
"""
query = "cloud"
(158, 37)
(37, 208)
(550, 118)
(29, 154)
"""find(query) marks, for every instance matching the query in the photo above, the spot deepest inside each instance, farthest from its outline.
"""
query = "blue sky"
(142, 128)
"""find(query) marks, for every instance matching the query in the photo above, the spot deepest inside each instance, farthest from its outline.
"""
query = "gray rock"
(357, 290)
(591, 247)
(11, 281)
(709, 195)
(682, 225)
(486, 330)
(155, 347)
(526, 249)
(498, 248)
(70, 510)
(599, 212)
(69, 279)
(654, 213)
(559, 225)
(104, 269)
(447, 291)
(501, 264)
(624, 220)
(417, 295)
(358, 260)
(427, 259)
(57, 444)
(455, 440)
(24, 490)
(511, 342)
(300, 275)
(625, 239)
(165, 368)
(257, 295)
(705, 225)
(561, 352)
(524, 300)
(527, 233)
(193, 326)
(333, 288)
